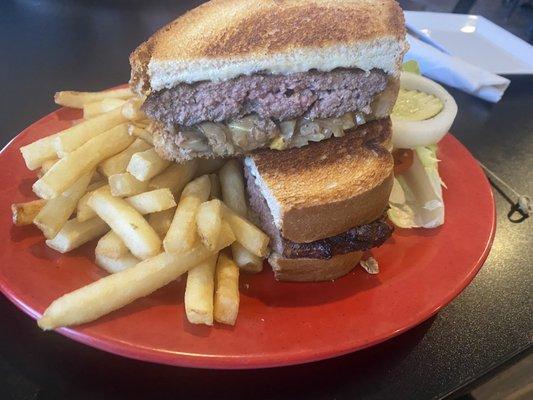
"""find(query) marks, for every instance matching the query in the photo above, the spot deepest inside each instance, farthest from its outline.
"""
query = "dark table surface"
(84, 45)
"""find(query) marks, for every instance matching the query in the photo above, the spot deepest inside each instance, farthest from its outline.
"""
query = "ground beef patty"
(360, 238)
(311, 94)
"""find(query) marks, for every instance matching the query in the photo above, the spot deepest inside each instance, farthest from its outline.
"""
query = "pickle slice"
(411, 66)
(414, 105)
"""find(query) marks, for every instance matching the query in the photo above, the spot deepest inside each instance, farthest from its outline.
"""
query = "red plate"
(278, 323)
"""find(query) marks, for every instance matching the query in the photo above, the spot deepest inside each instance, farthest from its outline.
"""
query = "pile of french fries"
(155, 220)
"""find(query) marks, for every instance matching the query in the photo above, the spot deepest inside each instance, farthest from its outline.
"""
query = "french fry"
(209, 165)
(41, 172)
(127, 223)
(209, 222)
(83, 211)
(246, 260)
(45, 167)
(182, 235)
(226, 234)
(96, 185)
(141, 133)
(36, 153)
(72, 138)
(74, 233)
(232, 187)
(58, 210)
(111, 246)
(79, 99)
(132, 109)
(144, 124)
(84, 159)
(246, 233)
(95, 108)
(226, 303)
(114, 265)
(117, 290)
(216, 192)
(118, 163)
(161, 221)
(175, 177)
(199, 292)
(24, 213)
(125, 184)
(145, 203)
(146, 164)
(153, 201)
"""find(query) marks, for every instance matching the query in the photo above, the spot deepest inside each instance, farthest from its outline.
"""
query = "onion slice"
(408, 134)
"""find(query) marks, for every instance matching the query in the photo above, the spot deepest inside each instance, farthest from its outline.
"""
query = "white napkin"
(455, 72)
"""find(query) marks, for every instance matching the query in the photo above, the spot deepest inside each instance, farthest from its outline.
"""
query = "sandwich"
(232, 77)
(323, 205)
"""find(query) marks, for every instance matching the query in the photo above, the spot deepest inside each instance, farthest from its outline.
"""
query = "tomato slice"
(403, 159)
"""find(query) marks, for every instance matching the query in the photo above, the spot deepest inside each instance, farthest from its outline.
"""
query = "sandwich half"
(323, 205)
(231, 77)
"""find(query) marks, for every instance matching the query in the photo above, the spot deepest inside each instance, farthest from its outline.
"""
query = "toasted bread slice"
(222, 39)
(313, 270)
(326, 188)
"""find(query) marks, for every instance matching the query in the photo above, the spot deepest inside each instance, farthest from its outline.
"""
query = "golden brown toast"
(222, 39)
(326, 188)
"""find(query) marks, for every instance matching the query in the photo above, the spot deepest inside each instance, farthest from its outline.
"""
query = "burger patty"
(311, 94)
(359, 238)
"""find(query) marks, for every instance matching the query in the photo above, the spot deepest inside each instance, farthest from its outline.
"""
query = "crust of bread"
(222, 39)
(313, 270)
(326, 188)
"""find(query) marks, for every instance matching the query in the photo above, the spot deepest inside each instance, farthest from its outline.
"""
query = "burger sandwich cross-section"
(302, 92)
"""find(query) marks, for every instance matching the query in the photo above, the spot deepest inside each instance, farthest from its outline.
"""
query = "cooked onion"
(193, 140)
(409, 134)
(348, 121)
(287, 128)
(242, 125)
(331, 126)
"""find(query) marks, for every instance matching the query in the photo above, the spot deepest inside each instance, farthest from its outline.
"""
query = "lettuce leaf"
(416, 198)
